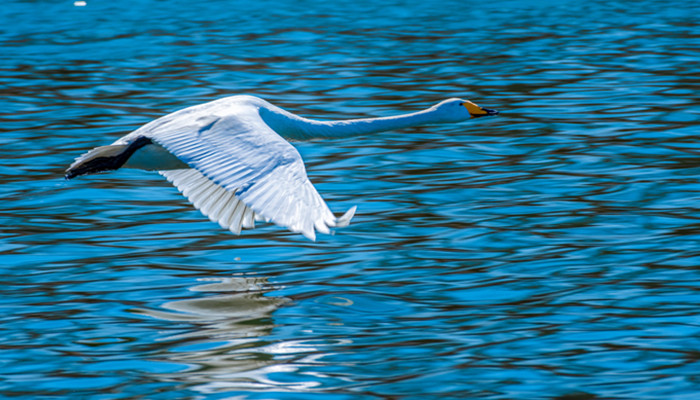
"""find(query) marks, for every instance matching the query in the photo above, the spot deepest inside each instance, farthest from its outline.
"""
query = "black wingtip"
(92, 166)
(105, 158)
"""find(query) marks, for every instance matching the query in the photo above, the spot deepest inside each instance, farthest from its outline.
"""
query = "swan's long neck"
(294, 127)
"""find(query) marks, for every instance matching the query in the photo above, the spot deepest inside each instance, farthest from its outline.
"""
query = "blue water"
(550, 252)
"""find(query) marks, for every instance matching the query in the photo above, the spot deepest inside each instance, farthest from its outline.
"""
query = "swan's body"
(230, 158)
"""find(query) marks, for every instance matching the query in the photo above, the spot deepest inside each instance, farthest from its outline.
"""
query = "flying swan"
(229, 157)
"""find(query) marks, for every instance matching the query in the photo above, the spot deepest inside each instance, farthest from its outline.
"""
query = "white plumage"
(230, 159)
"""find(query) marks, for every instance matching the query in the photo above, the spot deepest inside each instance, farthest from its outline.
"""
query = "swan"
(229, 157)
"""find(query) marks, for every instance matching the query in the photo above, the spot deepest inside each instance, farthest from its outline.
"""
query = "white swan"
(229, 158)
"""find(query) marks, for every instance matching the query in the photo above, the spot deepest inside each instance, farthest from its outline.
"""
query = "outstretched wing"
(238, 158)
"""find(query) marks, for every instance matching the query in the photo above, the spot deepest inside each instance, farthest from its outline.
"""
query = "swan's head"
(455, 110)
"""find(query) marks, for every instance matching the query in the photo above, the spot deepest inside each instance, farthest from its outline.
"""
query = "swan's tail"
(105, 158)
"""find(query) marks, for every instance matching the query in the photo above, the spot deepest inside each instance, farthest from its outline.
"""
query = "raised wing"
(241, 159)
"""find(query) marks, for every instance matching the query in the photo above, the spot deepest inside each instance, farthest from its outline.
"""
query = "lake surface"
(550, 252)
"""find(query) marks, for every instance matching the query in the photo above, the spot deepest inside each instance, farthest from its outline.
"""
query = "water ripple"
(550, 252)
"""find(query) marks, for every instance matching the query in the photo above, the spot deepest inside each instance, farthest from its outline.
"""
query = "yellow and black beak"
(476, 111)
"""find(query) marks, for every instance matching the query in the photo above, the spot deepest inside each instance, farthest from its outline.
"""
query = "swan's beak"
(477, 111)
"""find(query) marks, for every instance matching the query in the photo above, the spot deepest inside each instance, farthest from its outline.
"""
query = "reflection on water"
(246, 302)
(225, 348)
(228, 347)
(549, 252)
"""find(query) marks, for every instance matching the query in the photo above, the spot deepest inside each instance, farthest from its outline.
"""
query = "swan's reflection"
(223, 328)
(229, 344)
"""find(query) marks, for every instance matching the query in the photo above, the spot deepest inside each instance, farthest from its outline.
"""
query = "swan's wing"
(242, 159)
(215, 202)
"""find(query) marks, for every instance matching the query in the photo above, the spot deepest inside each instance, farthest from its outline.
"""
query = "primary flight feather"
(229, 157)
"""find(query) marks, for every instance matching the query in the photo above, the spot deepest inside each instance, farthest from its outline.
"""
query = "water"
(550, 252)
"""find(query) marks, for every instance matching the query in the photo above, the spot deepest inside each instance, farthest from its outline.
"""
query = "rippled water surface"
(549, 252)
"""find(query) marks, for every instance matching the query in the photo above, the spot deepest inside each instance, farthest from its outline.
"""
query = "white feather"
(211, 199)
